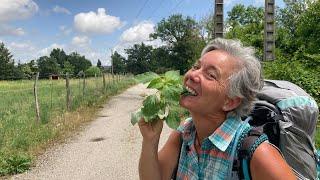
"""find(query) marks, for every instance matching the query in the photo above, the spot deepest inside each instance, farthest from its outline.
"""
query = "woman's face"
(208, 80)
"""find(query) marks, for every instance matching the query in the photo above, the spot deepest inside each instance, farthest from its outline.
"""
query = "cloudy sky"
(32, 28)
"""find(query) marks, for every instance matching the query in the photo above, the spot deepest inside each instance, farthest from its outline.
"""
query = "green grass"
(22, 137)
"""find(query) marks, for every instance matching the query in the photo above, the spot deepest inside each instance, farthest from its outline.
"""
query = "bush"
(93, 71)
(295, 71)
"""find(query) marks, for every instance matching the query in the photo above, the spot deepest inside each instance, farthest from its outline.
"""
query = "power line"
(142, 8)
(154, 11)
(177, 5)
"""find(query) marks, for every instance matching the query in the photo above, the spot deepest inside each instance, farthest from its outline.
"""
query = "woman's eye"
(212, 76)
(196, 66)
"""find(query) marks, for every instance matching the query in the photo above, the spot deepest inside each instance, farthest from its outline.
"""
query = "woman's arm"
(268, 164)
(154, 165)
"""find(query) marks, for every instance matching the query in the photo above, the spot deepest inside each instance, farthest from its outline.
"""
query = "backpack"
(288, 116)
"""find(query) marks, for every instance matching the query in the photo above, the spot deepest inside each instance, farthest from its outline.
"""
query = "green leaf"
(173, 119)
(172, 75)
(163, 113)
(156, 83)
(171, 93)
(136, 116)
(151, 106)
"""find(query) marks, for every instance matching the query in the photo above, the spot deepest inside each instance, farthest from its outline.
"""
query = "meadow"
(22, 137)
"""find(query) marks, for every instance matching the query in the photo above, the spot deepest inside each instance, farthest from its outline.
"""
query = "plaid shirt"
(214, 160)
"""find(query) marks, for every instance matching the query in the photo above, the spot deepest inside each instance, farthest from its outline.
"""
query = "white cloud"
(22, 51)
(17, 9)
(6, 30)
(46, 51)
(65, 31)
(96, 23)
(58, 9)
(138, 33)
(21, 46)
(81, 41)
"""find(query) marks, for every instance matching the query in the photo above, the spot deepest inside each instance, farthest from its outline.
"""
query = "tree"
(182, 35)
(288, 19)
(47, 66)
(6, 63)
(99, 64)
(118, 62)
(246, 24)
(176, 29)
(93, 71)
(59, 55)
(308, 29)
(67, 68)
(80, 63)
(160, 60)
(139, 57)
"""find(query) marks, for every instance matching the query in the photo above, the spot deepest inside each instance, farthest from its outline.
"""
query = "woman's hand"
(151, 130)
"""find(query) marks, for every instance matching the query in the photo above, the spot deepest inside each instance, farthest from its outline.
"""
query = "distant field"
(21, 136)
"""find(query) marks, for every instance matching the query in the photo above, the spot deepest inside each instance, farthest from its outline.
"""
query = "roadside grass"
(22, 138)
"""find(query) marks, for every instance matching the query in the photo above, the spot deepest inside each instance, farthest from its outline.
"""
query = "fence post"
(104, 82)
(51, 83)
(84, 84)
(35, 92)
(68, 92)
(95, 81)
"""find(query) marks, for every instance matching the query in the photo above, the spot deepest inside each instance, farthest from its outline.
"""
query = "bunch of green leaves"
(164, 104)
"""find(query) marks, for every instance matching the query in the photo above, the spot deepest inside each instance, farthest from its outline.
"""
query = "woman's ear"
(231, 103)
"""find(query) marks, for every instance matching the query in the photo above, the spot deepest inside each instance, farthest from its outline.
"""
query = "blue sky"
(32, 28)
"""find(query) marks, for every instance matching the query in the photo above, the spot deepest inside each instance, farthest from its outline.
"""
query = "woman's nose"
(195, 76)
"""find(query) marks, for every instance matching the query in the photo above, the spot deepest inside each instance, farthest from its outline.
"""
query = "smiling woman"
(221, 86)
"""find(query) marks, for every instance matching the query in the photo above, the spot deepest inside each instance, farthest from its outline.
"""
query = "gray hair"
(247, 80)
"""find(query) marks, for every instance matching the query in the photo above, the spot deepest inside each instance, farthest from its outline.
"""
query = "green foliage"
(14, 164)
(93, 71)
(48, 66)
(99, 64)
(139, 57)
(6, 63)
(67, 68)
(176, 29)
(59, 55)
(308, 29)
(246, 24)
(288, 19)
(118, 62)
(80, 63)
(163, 104)
(183, 38)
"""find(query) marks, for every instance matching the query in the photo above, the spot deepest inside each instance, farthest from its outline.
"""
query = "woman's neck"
(207, 124)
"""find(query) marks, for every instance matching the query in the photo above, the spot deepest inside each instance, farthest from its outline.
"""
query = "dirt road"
(107, 149)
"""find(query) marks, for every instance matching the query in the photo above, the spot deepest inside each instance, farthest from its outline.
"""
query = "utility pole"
(269, 30)
(112, 63)
(218, 19)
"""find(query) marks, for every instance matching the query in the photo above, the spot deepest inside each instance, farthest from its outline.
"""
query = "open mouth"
(187, 91)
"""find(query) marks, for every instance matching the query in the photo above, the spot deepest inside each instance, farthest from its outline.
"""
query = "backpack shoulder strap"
(247, 147)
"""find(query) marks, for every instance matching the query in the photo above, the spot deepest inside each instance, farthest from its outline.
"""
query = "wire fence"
(45, 99)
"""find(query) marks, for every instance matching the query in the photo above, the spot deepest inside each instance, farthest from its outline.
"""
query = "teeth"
(191, 91)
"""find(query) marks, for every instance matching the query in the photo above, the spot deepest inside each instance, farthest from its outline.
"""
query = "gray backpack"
(288, 116)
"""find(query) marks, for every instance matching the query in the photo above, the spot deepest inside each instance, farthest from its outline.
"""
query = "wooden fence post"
(84, 84)
(35, 89)
(68, 92)
(104, 82)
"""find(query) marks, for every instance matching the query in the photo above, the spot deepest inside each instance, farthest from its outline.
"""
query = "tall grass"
(21, 137)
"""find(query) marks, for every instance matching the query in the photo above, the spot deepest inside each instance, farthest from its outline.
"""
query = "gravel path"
(108, 148)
